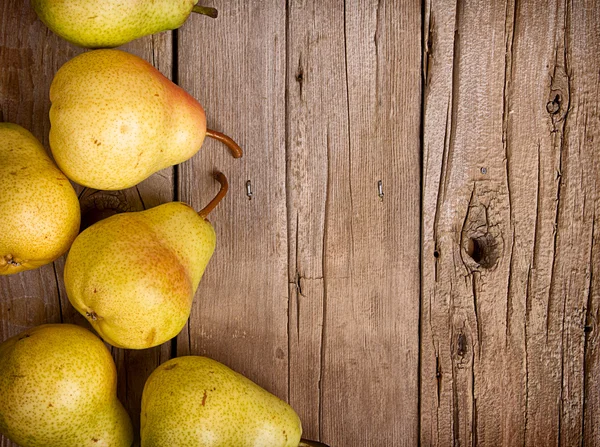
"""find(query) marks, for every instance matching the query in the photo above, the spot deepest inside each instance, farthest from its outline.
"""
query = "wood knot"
(553, 106)
(461, 345)
(481, 239)
(483, 250)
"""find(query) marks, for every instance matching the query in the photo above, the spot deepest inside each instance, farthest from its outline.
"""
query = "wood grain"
(318, 146)
(317, 143)
(579, 282)
(510, 195)
(369, 378)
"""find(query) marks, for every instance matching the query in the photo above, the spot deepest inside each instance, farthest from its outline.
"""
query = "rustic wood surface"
(462, 307)
(509, 305)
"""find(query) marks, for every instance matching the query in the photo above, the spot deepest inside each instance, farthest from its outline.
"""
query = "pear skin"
(111, 23)
(196, 401)
(115, 120)
(58, 388)
(39, 210)
(134, 275)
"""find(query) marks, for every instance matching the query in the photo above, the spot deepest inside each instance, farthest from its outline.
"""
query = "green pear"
(196, 401)
(115, 120)
(58, 387)
(39, 210)
(134, 275)
(111, 23)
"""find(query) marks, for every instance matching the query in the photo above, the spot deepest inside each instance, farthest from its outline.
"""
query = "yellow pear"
(111, 23)
(196, 401)
(134, 275)
(39, 210)
(115, 120)
(58, 387)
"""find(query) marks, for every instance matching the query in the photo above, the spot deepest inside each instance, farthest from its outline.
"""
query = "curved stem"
(235, 149)
(220, 177)
(306, 443)
(210, 12)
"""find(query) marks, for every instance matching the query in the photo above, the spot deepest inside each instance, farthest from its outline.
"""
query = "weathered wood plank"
(369, 248)
(579, 281)
(510, 193)
(556, 256)
(317, 133)
(235, 66)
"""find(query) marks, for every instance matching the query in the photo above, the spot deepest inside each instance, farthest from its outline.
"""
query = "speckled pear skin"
(58, 387)
(197, 401)
(111, 23)
(39, 210)
(134, 275)
(116, 120)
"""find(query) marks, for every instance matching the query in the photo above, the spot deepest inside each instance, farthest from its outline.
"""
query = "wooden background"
(464, 307)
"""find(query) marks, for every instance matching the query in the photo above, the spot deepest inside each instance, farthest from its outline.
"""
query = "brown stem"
(220, 177)
(306, 443)
(210, 12)
(235, 149)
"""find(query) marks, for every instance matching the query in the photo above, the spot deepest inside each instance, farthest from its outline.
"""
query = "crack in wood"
(590, 321)
(527, 314)
(140, 197)
(509, 297)
(441, 189)
(455, 410)
(324, 279)
(562, 138)
(288, 192)
(559, 127)
(297, 283)
(429, 20)
(60, 308)
(538, 216)
(508, 73)
(300, 76)
(474, 428)
(478, 327)
(350, 170)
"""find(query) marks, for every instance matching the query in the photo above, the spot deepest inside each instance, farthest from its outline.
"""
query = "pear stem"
(210, 12)
(235, 149)
(307, 443)
(220, 177)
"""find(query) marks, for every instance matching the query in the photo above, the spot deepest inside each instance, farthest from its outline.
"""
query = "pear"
(115, 120)
(58, 385)
(134, 275)
(196, 401)
(111, 23)
(39, 210)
